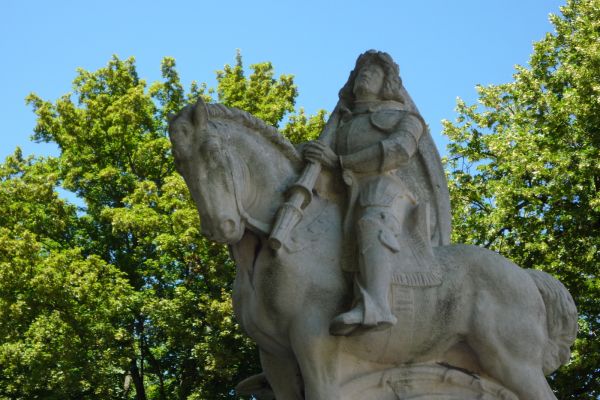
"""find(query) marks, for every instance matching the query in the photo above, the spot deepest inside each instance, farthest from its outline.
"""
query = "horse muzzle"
(226, 230)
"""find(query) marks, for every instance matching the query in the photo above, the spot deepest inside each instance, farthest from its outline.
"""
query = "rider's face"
(369, 82)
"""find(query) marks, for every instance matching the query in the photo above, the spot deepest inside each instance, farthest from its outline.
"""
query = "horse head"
(202, 158)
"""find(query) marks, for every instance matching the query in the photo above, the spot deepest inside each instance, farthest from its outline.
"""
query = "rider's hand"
(321, 153)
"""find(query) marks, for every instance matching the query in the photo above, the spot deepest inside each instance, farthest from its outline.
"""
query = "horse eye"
(209, 152)
(211, 145)
(213, 149)
(212, 152)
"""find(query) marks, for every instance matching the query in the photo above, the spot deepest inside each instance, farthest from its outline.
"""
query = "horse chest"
(264, 300)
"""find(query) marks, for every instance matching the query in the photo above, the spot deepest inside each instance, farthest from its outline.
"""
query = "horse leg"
(510, 350)
(524, 379)
(283, 376)
(317, 354)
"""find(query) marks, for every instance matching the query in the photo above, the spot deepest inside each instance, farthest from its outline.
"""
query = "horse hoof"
(256, 386)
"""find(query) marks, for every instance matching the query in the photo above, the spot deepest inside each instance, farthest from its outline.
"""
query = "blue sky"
(444, 48)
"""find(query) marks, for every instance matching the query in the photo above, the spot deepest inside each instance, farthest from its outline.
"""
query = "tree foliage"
(122, 297)
(63, 313)
(525, 174)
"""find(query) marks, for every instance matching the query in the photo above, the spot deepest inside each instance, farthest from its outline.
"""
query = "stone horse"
(488, 318)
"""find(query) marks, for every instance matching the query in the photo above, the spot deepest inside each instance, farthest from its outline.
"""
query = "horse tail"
(561, 317)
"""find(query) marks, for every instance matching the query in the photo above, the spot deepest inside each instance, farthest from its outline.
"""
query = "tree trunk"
(140, 392)
(189, 377)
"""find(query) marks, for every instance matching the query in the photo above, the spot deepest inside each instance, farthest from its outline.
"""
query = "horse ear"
(200, 113)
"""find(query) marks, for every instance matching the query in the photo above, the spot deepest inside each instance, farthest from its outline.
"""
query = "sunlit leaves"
(62, 314)
(524, 174)
(121, 296)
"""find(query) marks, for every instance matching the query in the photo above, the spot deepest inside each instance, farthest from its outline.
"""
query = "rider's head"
(391, 89)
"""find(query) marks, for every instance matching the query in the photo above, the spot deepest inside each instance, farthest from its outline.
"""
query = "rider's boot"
(372, 310)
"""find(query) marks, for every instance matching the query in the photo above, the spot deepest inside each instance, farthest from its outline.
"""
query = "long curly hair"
(392, 84)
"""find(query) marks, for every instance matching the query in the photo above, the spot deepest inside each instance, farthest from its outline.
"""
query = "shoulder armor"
(387, 120)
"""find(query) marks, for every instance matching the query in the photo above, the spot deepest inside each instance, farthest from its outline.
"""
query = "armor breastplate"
(356, 134)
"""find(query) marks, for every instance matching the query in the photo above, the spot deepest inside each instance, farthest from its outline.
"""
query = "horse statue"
(489, 324)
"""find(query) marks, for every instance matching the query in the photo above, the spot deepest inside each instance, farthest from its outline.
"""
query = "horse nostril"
(228, 227)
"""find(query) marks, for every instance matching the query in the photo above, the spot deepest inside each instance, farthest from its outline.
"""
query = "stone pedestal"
(424, 382)
(410, 382)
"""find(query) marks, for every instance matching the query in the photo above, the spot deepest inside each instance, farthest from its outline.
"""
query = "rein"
(238, 176)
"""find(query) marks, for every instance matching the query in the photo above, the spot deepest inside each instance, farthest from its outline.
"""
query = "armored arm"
(390, 153)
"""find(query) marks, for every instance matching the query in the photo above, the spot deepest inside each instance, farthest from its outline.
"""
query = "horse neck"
(264, 174)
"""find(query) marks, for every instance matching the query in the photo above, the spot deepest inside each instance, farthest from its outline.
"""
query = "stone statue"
(345, 275)
(388, 160)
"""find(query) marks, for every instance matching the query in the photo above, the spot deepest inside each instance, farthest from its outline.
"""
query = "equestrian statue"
(346, 278)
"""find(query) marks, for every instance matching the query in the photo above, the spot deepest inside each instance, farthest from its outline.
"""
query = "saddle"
(412, 252)
(415, 263)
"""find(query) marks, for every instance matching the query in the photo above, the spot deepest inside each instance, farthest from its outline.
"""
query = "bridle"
(238, 177)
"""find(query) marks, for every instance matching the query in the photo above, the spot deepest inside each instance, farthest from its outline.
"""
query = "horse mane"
(256, 124)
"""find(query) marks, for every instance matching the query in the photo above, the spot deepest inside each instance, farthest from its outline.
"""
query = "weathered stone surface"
(345, 275)
(424, 382)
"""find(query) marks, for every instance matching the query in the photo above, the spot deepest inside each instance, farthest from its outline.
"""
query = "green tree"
(524, 175)
(63, 313)
(259, 94)
(174, 336)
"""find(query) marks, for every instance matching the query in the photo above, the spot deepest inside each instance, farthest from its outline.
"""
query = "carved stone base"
(424, 382)
(411, 382)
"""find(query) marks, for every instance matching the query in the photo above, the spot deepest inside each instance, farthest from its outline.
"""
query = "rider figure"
(376, 137)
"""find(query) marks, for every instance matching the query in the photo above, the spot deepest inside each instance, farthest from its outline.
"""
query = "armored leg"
(376, 243)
